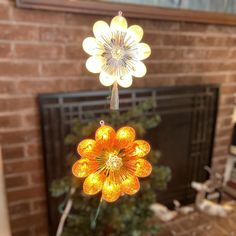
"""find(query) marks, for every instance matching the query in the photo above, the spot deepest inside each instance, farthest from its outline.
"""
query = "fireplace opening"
(184, 137)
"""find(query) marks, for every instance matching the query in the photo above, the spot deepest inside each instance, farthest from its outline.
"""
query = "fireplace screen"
(184, 137)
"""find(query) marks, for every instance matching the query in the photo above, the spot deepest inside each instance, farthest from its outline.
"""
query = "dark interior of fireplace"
(184, 136)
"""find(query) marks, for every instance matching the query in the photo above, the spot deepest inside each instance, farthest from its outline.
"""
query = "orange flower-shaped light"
(112, 163)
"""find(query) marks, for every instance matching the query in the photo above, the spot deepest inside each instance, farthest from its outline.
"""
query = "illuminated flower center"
(114, 163)
(117, 53)
(120, 55)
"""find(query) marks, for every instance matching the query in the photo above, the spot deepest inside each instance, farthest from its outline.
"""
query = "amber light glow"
(112, 163)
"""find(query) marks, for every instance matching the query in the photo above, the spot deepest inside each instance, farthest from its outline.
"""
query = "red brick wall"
(41, 52)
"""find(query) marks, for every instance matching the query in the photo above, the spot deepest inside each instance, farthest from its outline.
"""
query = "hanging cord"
(94, 220)
(114, 105)
(66, 212)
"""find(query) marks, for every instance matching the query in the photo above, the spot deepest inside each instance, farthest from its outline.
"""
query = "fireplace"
(184, 137)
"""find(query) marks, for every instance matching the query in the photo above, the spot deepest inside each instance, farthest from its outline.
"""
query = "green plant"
(128, 216)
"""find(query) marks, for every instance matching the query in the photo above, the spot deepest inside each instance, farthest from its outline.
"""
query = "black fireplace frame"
(58, 110)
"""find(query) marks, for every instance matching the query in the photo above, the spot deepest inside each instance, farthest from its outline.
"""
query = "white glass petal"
(106, 80)
(94, 64)
(92, 46)
(144, 51)
(125, 81)
(134, 33)
(119, 23)
(139, 69)
(102, 31)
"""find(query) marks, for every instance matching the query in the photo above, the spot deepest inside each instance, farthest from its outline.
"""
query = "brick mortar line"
(24, 159)
(92, 77)
(29, 172)
(35, 61)
(22, 201)
(157, 46)
(65, 25)
(22, 188)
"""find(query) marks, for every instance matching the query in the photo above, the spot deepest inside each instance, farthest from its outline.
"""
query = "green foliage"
(129, 216)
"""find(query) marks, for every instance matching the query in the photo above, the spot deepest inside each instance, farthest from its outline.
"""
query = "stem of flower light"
(114, 105)
(94, 221)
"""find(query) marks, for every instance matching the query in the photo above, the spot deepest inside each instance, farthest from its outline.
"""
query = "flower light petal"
(125, 136)
(102, 31)
(94, 64)
(111, 191)
(125, 81)
(119, 23)
(92, 46)
(130, 185)
(105, 136)
(106, 80)
(134, 33)
(144, 51)
(142, 168)
(87, 148)
(139, 69)
(83, 167)
(93, 183)
(140, 149)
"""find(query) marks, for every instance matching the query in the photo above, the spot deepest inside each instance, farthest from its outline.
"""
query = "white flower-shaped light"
(116, 52)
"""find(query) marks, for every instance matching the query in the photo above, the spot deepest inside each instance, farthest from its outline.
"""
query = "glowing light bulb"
(92, 46)
(106, 80)
(142, 168)
(134, 32)
(130, 185)
(105, 136)
(125, 136)
(94, 64)
(125, 81)
(93, 183)
(142, 148)
(119, 23)
(102, 31)
(139, 69)
(110, 191)
(87, 148)
(81, 169)
(144, 51)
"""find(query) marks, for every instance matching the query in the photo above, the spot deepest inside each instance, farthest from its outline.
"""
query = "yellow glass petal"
(94, 64)
(134, 33)
(83, 167)
(102, 31)
(87, 148)
(92, 46)
(141, 148)
(110, 191)
(105, 136)
(143, 168)
(106, 80)
(144, 51)
(93, 183)
(125, 81)
(139, 69)
(130, 185)
(125, 136)
(118, 23)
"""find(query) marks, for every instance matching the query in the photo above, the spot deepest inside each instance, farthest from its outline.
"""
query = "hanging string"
(66, 212)
(114, 104)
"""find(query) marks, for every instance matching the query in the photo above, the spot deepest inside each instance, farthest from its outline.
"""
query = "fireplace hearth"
(184, 137)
